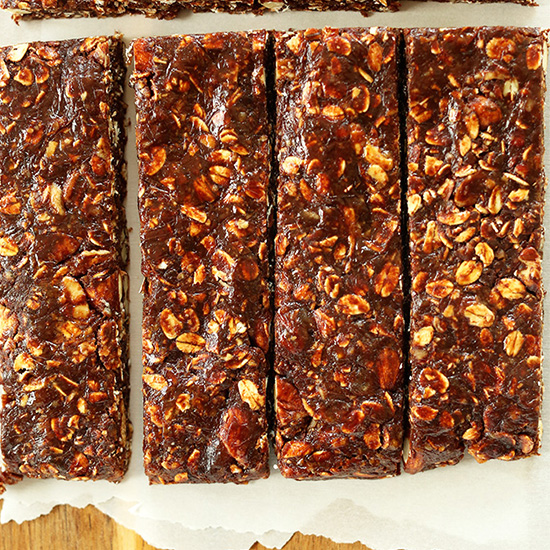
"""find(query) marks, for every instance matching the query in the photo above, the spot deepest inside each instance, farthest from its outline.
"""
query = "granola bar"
(63, 329)
(44, 9)
(225, 6)
(168, 9)
(202, 140)
(339, 315)
(364, 6)
(160, 9)
(475, 199)
(522, 2)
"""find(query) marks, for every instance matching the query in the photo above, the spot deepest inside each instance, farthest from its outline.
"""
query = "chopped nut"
(534, 57)
(194, 213)
(17, 53)
(183, 402)
(155, 381)
(501, 48)
(487, 110)
(431, 237)
(23, 362)
(388, 367)
(378, 174)
(154, 160)
(351, 304)
(375, 156)
(435, 379)
(8, 247)
(375, 57)
(24, 76)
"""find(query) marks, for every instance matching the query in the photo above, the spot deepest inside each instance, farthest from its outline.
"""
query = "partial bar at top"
(161, 9)
(203, 145)
(168, 9)
(339, 300)
(475, 197)
(63, 328)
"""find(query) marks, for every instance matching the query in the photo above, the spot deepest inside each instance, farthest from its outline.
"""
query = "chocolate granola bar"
(475, 198)
(63, 329)
(339, 300)
(522, 2)
(364, 6)
(43, 9)
(202, 140)
(161, 9)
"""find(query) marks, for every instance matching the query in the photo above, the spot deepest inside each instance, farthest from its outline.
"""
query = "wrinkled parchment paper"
(497, 505)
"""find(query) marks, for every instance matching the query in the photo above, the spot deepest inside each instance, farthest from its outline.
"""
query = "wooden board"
(68, 528)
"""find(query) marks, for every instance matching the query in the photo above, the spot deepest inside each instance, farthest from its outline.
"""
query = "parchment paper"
(497, 505)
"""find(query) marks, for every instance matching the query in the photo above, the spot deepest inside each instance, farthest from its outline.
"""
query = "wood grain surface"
(67, 528)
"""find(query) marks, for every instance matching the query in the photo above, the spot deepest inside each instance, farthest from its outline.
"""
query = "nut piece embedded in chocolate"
(63, 327)
(475, 194)
(203, 146)
(339, 322)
